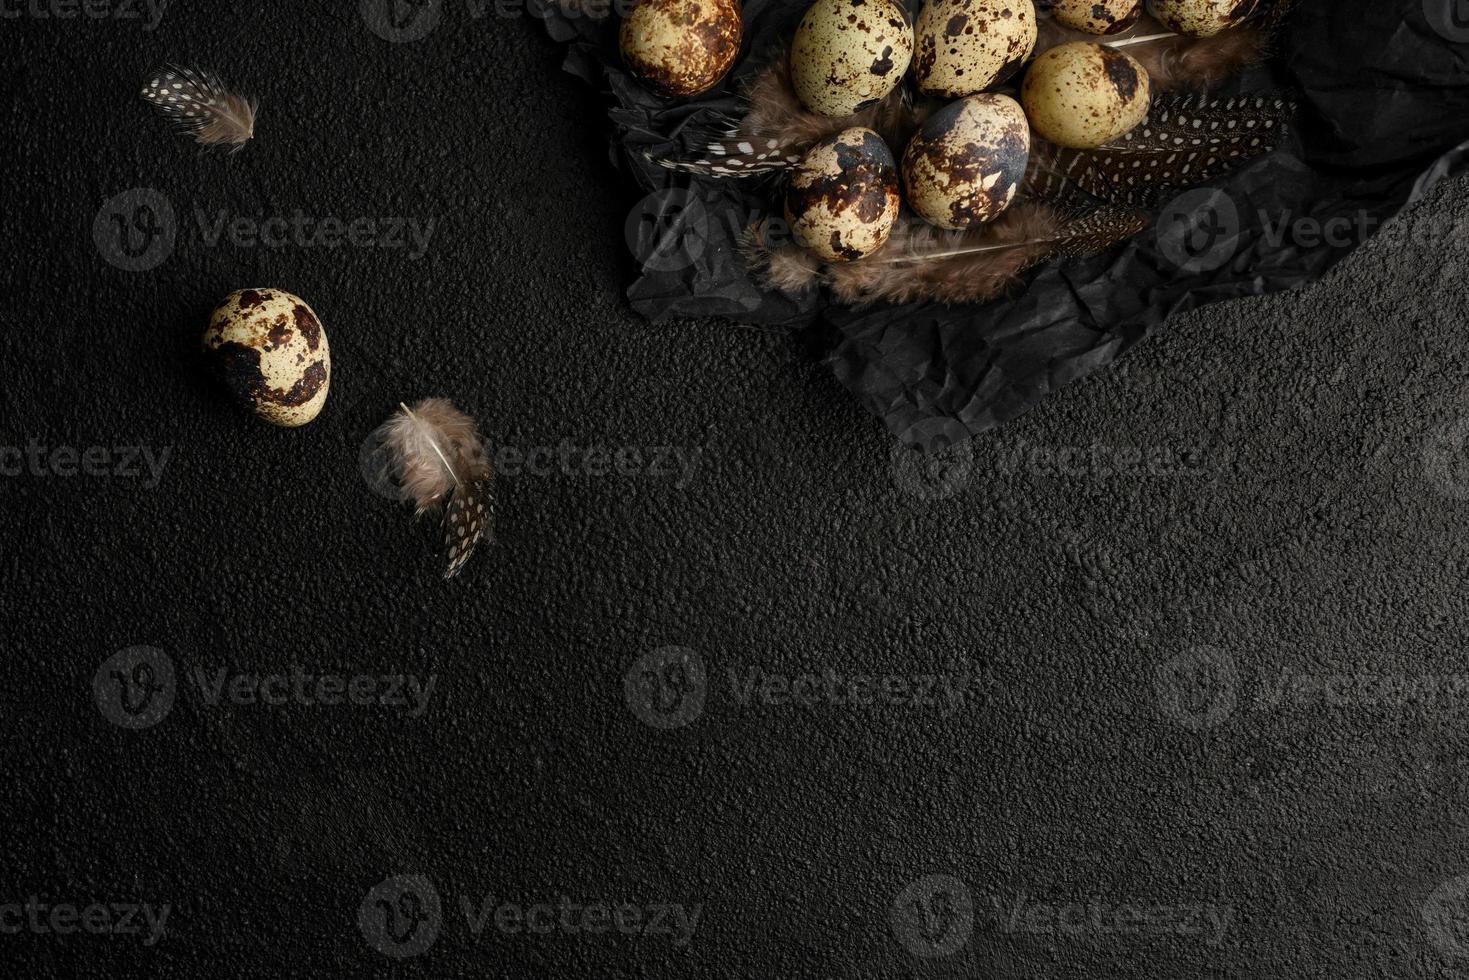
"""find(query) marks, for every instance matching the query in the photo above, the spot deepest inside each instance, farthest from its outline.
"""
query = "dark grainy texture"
(1305, 516)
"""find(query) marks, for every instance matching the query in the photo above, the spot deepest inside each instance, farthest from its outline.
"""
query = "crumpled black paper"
(1384, 94)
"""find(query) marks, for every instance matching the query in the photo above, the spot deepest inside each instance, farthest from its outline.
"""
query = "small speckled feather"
(435, 457)
(202, 106)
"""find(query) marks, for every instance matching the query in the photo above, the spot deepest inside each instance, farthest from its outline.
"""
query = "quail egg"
(1097, 16)
(1201, 18)
(966, 164)
(966, 46)
(682, 48)
(271, 350)
(849, 54)
(843, 200)
(1084, 94)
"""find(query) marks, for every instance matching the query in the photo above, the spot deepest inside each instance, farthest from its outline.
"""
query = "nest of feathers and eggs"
(1025, 131)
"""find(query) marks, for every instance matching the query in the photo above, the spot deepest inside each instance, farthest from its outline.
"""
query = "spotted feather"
(1184, 141)
(739, 156)
(200, 104)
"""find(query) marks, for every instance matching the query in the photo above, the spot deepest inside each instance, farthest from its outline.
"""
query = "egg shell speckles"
(681, 48)
(849, 54)
(1084, 94)
(843, 197)
(966, 46)
(966, 164)
(1201, 18)
(271, 349)
(1097, 16)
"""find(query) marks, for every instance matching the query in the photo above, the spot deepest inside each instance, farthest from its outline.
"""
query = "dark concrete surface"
(1194, 631)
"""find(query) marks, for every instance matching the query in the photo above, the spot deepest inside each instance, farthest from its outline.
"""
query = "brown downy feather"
(1184, 141)
(920, 263)
(777, 131)
(432, 456)
(1180, 62)
(1173, 61)
(200, 104)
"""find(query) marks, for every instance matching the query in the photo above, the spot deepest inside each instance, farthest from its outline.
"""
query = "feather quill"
(202, 106)
(921, 264)
(432, 456)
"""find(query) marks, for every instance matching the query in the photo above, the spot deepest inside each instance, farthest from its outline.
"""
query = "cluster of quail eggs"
(966, 163)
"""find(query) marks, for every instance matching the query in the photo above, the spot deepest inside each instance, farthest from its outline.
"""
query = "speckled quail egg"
(966, 46)
(966, 164)
(1083, 94)
(1097, 16)
(1201, 18)
(849, 54)
(843, 200)
(272, 352)
(681, 48)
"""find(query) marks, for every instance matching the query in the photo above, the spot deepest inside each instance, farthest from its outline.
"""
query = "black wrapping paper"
(1383, 89)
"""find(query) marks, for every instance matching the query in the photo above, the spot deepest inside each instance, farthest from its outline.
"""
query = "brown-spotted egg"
(1201, 18)
(966, 46)
(849, 54)
(1084, 94)
(843, 200)
(1097, 16)
(966, 164)
(271, 350)
(681, 48)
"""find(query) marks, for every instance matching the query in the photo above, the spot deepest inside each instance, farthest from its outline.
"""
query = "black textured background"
(1268, 488)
